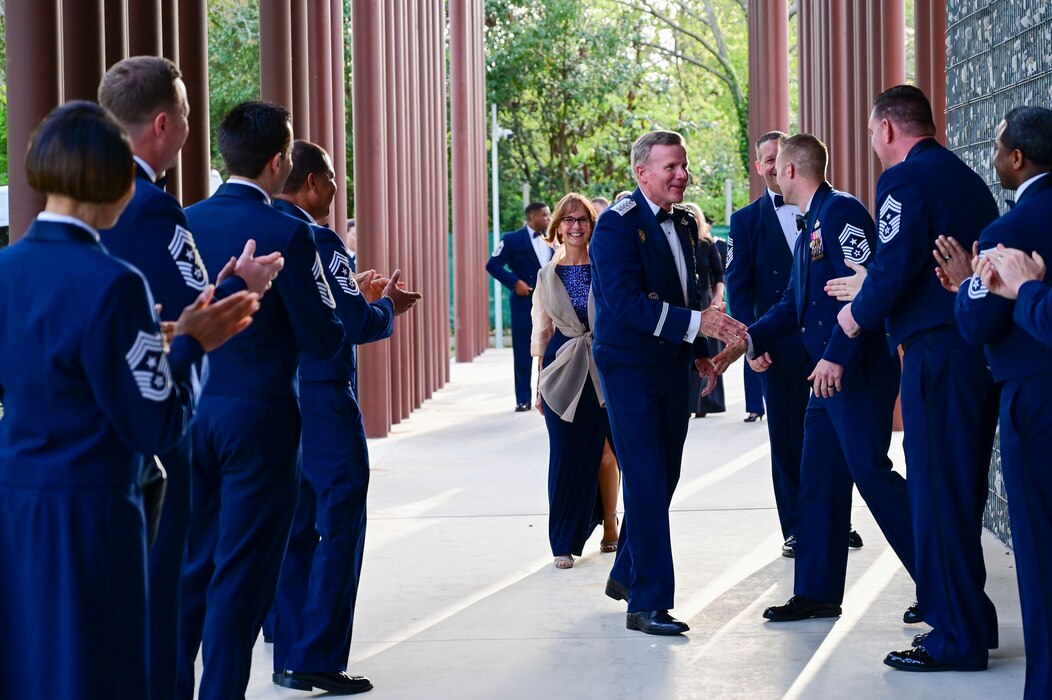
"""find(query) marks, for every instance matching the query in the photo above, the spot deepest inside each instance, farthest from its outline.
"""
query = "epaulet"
(623, 206)
(680, 209)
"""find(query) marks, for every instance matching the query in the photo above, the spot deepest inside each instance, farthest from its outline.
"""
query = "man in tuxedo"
(514, 263)
(314, 605)
(649, 327)
(760, 261)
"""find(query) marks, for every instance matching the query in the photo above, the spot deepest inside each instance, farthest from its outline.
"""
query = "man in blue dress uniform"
(1018, 348)
(247, 433)
(148, 97)
(314, 605)
(648, 328)
(514, 263)
(847, 426)
(949, 405)
(759, 263)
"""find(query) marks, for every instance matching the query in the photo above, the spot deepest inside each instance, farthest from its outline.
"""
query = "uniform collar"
(238, 180)
(653, 207)
(52, 217)
(306, 216)
(147, 170)
(1026, 185)
(922, 146)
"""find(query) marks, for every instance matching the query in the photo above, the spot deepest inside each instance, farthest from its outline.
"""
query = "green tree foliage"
(233, 61)
(578, 80)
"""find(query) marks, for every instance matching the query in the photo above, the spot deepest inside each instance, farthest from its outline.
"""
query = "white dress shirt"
(681, 268)
(540, 246)
(787, 218)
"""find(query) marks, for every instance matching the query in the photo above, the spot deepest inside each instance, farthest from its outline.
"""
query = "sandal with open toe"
(609, 546)
(564, 561)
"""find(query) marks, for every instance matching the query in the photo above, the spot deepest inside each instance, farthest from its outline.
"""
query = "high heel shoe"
(608, 546)
(753, 417)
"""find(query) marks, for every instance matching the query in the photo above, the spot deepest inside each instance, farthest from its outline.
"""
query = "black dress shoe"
(522, 407)
(800, 608)
(616, 589)
(655, 622)
(913, 615)
(789, 547)
(916, 659)
(854, 540)
(335, 682)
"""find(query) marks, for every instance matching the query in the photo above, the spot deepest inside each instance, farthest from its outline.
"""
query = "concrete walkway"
(459, 597)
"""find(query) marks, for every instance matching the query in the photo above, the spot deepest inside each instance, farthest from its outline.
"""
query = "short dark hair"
(81, 151)
(535, 206)
(1029, 129)
(807, 153)
(250, 134)
(908, 107)
(307, 158)
(137, 88)
(779, 136)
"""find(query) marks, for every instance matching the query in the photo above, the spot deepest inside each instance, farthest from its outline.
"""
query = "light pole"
(498, 303)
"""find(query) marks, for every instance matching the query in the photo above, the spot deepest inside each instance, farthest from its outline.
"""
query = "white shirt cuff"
(694, 327)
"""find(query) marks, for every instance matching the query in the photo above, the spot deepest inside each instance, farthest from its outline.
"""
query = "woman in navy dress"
(568, 391)
(88, 387)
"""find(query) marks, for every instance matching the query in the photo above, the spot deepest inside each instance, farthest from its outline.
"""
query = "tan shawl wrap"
(562, 381)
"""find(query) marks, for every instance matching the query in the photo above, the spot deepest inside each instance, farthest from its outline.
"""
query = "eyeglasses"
(570, 221)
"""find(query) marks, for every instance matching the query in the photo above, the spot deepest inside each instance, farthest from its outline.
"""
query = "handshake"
(715, 323)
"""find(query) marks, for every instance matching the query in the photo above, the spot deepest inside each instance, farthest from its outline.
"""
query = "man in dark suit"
(949, 403)
(648, 329)
(847, 425)
(1001, 307)
(147, 95)
(247, 433)
(760, 261)
(514, 263)
(314, 605)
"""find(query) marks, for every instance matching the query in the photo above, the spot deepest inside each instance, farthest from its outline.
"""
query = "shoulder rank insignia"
(642, 234)
(623, 206)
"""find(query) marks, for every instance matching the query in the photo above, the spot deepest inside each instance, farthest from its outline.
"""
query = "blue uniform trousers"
(646, 400)
(314, 605)
(94, 644)
(575, 451)
(521, 330)
(949, 412)
(846, 440)
(1026, 442)
(166, 560)
(753, 390)
(245, 455)
(786, 391)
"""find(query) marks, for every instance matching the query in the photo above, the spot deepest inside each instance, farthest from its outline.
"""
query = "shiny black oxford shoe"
(913, 615)
(335, 682)
(800, 608)
(616, 589)
(657, 622)
(916, 659)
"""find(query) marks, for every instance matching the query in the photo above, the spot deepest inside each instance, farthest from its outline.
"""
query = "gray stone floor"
(459, 598)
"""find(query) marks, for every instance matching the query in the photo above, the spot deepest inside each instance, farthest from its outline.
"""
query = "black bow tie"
(537, 234)
(801, 222)
(663, 215)
(779, 201)
(161, 181)
(1010, 202)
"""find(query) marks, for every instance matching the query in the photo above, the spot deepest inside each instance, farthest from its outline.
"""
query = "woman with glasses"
(569, 395)
(89, 386)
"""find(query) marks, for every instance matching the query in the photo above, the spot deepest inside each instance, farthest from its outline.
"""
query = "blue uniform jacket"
(759, 261)
(1020, 349)
(154, 236)
(362, 322)
(86, 385)
(639, 304)
(514, 251)
(297, 315)
(931, 193)
(838, 228)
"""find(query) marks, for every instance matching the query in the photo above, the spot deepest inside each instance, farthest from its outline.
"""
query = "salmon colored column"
(193, 62)
(768, 76)
(930, 35)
